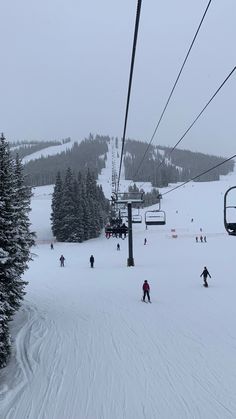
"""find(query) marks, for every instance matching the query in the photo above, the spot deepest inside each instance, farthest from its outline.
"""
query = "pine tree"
(5, 343)
(80, 208)
(86, 212)
(56, 206)
(93, 224)
(24, 238)
(68, 210)
(9, 281)
(15, 241)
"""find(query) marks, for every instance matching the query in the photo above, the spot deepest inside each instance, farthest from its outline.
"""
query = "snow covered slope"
(86, 347)
(49, 151)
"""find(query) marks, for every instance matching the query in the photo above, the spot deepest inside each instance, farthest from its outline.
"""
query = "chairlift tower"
(129, 201)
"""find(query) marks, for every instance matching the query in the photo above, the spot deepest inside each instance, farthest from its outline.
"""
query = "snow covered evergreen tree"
(5, 343)
(82, 209)
(56, 206)
(8, 270)
(95, 200)
(15, 241)
(68, 223)
(86, 211)
(24, 238)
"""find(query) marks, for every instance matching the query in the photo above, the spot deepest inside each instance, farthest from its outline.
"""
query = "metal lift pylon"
(129, 201)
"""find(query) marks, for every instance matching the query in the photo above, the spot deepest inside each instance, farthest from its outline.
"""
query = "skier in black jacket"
(205, 274)
(91, 261)
(62, 260)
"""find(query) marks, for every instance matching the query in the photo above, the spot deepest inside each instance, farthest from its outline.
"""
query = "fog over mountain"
(65, 68)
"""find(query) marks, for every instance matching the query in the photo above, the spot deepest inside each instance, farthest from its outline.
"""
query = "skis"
(146, 301)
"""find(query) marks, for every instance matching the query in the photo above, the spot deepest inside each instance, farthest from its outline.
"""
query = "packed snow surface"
(86, 347)
(48, 151)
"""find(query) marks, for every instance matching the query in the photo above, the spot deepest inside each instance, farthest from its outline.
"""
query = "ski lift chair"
(154, 218)
(229, 225)
(136, 219)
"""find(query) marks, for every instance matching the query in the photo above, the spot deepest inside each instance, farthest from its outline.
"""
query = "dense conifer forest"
(181, 165)
(89, 154)
(23, 148)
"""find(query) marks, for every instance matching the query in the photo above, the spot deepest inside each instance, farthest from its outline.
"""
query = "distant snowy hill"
(49, 151)
(45, 149)
(154, 164)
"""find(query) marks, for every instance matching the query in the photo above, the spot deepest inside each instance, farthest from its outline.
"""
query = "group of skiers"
(62, 261)
(201, 239)
(118, 245)
(146, 287)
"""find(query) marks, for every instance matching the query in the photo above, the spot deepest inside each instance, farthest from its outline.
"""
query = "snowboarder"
(91, 261)
(62, 260)
(145, 241)
(118, 246)
(52, 246)
(205, 274)
(146, 290)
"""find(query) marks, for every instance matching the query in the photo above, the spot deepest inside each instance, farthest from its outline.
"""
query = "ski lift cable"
(173, 88)
(201, 174)
(129, 85)
(197, 117)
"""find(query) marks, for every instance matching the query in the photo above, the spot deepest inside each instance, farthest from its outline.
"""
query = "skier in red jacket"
(146, 289)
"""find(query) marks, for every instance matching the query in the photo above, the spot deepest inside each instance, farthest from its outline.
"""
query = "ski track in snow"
(86, 347)
(89, 349)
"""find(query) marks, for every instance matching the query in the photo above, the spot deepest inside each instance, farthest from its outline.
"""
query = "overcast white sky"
(65, 67)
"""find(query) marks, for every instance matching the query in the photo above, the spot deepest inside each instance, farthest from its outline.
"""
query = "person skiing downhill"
(146, 290)
(118, 246)
(62, 260)
(91, 261)
(205, 274)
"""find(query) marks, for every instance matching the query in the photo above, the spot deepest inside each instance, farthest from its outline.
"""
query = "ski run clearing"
(86, 347)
